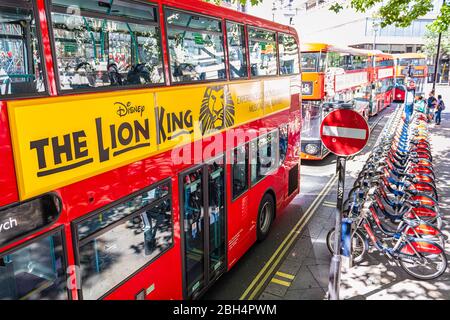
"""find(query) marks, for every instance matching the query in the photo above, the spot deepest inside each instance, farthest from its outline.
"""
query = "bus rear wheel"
(266, 214)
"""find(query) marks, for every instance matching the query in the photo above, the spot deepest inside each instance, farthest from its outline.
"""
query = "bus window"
(358, 62)
(311, 117)
(309, 61)
(237, 52)
(36, 271)
(283, 141)
(263, 52)
(239, 160)
(346, 61)
(20, 59)
(288, 54)
(196, 47)
(264, 156)
(384, 63)
(89, 226)
(107, 44)
(111, 253)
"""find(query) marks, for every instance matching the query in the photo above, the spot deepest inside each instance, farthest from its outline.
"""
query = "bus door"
(203, 221)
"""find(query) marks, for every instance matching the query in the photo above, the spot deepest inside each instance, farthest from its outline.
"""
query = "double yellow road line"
(259, 281)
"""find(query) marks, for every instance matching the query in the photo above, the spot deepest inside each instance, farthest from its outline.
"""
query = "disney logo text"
(128, 108)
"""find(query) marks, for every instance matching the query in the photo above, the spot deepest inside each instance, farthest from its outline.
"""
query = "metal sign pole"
(335, 267)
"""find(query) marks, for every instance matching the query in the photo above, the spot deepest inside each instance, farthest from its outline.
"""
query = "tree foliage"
(400, 13)
(430, 47)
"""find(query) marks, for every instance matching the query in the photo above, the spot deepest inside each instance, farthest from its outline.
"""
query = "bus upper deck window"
(196, 47)
(263, 52)
(288, 54)
(20, 59)
(237, 53)
(309, 61)
(106, 44)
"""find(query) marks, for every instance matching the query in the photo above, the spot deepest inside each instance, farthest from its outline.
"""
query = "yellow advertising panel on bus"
(67, 139)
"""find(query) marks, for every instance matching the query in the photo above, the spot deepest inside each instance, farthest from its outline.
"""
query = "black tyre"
(266, 214)
(359, 245)
(431, 267)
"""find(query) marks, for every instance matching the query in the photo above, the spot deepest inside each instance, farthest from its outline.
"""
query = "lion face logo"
(217, 111)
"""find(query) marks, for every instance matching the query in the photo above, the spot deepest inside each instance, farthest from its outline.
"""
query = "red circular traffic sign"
(344, 132)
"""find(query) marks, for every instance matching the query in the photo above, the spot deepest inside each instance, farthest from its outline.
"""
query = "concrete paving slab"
(304, 280)
(290, 267)
(269, 296)
(276, 289)
(305, 294)
(301, 249)
(321, 273)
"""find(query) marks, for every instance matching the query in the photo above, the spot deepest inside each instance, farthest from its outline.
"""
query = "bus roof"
(410, 55)
(202, 7)
(380, 55)
(316, 47)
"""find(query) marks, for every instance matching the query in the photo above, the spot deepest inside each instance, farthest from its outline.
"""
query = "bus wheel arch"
(266, 214)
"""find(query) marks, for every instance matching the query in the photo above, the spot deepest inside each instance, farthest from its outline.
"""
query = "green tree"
(430, 47)
(400, 13)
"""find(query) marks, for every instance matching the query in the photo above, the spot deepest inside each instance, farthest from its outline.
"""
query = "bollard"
(346, 236)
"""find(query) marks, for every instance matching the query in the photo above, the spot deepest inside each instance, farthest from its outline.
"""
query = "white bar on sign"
(343, 132)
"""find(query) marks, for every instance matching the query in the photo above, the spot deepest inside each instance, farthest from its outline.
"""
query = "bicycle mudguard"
(424, 229)
(421, 246)
(424, 178)
(422, 187)
(421, 170)
(422, 211)
(424, 199)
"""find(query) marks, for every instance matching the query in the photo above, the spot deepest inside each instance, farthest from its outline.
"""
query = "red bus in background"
(383, 81)
(412, 67)
(144, 146)
(330, 75)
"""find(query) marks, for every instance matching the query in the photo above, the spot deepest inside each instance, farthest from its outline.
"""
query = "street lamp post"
(438, 53)
(274, 9)
(290, 12)
(375, 28)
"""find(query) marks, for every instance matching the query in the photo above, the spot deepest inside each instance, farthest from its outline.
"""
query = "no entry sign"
(344, 132)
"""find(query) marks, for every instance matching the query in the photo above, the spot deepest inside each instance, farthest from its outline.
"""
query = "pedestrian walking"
(440, 106)
(409, 98)
(431, 104)
(420, 105)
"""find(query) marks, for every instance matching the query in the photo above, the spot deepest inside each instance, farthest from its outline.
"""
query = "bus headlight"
(312, 149)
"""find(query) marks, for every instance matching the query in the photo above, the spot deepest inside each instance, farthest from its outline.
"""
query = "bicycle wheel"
(359, 245)
(430, 266)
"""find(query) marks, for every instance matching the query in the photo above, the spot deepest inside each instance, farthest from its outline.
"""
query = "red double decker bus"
(144, 145)
(331, 75)
(383, 80)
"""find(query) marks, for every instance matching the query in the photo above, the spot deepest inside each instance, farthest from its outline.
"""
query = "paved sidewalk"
(304, 273)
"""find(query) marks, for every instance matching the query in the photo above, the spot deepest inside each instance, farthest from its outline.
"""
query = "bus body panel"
(8, 191)
(316, 80)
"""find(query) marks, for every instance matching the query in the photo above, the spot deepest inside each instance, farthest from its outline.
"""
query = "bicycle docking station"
(346, 238)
